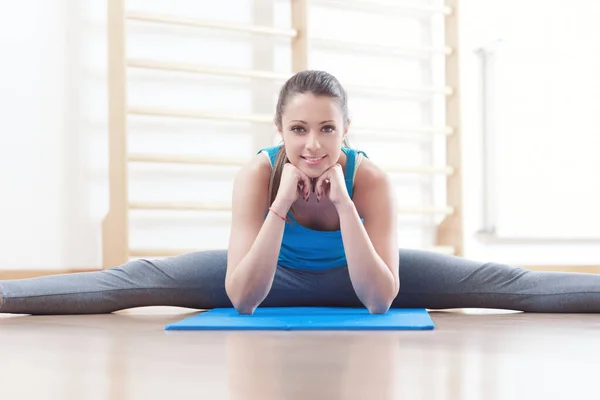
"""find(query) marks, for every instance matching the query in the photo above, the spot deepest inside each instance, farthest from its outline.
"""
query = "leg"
(194, 280)
(437, 281)
(197, 280)
(190, 280)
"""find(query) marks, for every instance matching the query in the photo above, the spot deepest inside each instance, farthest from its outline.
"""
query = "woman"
(313, 224)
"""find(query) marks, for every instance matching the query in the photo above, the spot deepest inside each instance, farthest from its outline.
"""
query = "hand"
(293, 184)
(332, 184)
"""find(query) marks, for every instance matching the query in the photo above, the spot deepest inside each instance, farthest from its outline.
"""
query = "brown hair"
(319, 83)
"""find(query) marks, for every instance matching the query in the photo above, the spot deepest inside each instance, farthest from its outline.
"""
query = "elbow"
(383, 304)
(245, 309)
(242, 305)
(241, 302)
(379, 309)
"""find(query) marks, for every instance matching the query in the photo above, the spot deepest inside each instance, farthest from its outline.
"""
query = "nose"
(312, 142)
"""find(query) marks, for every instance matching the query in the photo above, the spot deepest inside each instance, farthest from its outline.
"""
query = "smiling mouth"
(313, 159)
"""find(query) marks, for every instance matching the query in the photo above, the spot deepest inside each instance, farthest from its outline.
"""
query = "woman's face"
(313, 130)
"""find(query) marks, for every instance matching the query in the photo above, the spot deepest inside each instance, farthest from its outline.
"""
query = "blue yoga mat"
(307, 318)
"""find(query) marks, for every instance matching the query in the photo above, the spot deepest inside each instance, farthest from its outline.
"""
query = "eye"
(297, 129)
(329, 128)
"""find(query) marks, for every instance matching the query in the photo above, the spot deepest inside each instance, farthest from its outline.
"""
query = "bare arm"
(372, 248)
(254, 241)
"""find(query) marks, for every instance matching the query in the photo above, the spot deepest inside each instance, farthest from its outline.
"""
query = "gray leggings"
(196, 280)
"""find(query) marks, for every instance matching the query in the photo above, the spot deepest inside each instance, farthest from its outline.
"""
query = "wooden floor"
(470, 355)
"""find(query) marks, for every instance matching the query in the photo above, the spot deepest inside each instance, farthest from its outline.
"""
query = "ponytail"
(280, 160)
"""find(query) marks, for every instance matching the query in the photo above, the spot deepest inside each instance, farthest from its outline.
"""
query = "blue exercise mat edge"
(307, 318)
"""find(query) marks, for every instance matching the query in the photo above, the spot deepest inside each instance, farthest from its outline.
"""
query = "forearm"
(371, 278)
(251, 280)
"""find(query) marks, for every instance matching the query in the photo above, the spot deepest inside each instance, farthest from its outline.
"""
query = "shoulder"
(250, 190)
(257, 169)
(370, 176)
(373, 188)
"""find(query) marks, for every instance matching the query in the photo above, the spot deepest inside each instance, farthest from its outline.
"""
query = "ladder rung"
(207, 160)
(199, 23)
(267, 119)
(179, 159)
(381, 48)
(391, 90)
(185, 206)
(197, 114)
(388, 7)
(141, 252)
(426, 210)
(201, 69)
(448, 170)
(241, 73)
(171, 206)
(390, 133)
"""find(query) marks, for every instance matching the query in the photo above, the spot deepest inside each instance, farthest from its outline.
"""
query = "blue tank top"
(304, 248)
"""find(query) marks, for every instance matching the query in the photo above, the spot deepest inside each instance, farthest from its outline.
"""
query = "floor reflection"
(338, 365)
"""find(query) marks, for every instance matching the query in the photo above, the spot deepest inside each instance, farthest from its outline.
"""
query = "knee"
(500, 273)
(140, 271)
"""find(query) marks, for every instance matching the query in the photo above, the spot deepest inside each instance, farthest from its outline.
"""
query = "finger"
(320, 183)
(324, 182)
(301, 188)
(306, 187)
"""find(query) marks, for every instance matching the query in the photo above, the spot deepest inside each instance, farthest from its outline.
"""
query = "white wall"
(543, 127)
(34, 131)
(54, 124)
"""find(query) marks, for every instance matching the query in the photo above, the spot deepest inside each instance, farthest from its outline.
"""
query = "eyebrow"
(304, 122)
